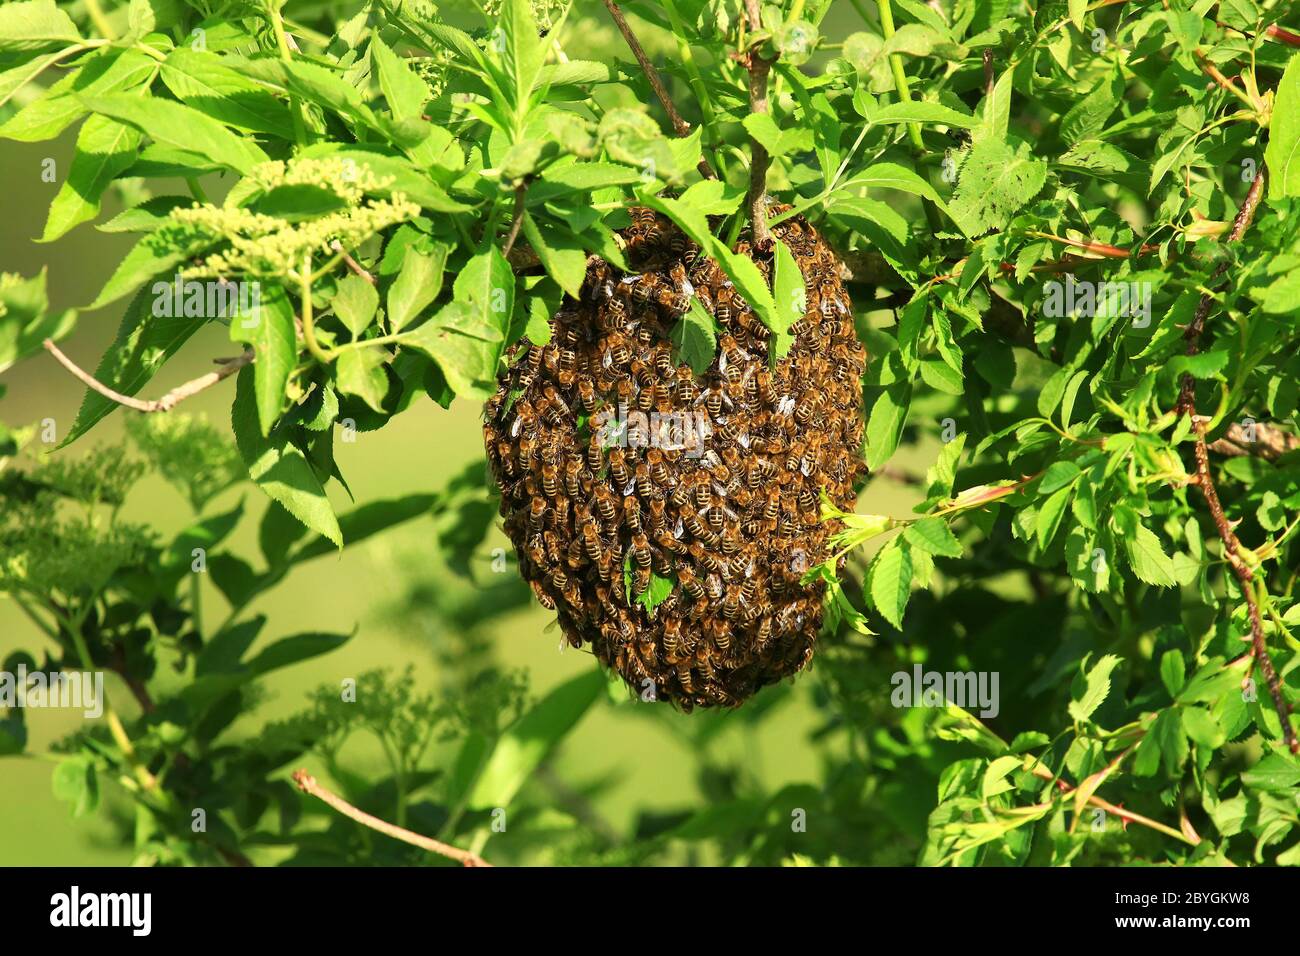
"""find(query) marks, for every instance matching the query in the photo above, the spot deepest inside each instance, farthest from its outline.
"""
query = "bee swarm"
(733, 522)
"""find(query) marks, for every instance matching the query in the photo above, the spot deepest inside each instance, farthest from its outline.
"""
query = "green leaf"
(1200, 725)
(355, 303)
(360, 372)
(933, 536)
(562, 255)
(1283, 152)
(790, 297)
(523, 52)
(695, 339)
(1275, 773)
(278, 467)
(995, 180)
(405, 92)
(111, 71)
(269, 331)
(199, 79)
(526, 743)
(144, 342)
(26, 321)
(1148, 558)
(775, 140)
(35, 25)
(885, 424)
(75, 781)
(184, 127)
(889, 581)
(893, 176)
(1059, 474)
(464, 344)
(1173, 671)
(1091, 690)
(917, 111)
(153, 255)
(366, 521)
(1050, 514)
(104, 149)
(416, 286)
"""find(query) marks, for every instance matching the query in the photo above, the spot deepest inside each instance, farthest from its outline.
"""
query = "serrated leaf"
(933, 536)
(35, 25)
(1148, 558)
(1283, 152)
(1095, 687)
(104, 149)
(889, 581)
(695, 339)
(269, 331)
(174, 124)
(278, 467)
(416, 286)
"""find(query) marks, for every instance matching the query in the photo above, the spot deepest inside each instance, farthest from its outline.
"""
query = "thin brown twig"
(169, 401)
(1205, 477)
(307, 784)
(520, 192)
(356, 267)
(759, 68)
(680, 125)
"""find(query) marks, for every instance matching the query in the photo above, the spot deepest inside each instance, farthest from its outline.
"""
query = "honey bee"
(505, 454)
(663, 362)
(691, 584)
(644, 485)
(544, 599)
(806, 407)
(591, 542)
(672, 302)
(534, 550)
(655, 463)
(618, 466)
(644, 374)
(705, 559)
(687, 392)
(795, 455)
(632, 513)
(587, 395)
(573, 477)
(683, 672)
(720, 636)
(537, 511)
(616, 351)
(672, 639)
(550, 479)
(658, 519)
(605, 504)
(595, 454)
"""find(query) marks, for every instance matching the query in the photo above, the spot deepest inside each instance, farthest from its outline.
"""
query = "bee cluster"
(732, 525)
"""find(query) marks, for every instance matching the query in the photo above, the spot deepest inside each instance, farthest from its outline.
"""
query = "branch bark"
(169, 401)
(759, 68)
(1205, 477)
(680, 125)
(307, 784)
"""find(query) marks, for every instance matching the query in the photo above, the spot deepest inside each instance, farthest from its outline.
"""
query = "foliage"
(1107, 526)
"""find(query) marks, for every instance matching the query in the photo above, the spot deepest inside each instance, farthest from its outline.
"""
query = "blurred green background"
(643, 767)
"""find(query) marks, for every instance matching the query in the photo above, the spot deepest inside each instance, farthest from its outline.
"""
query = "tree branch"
(351, 263)
(758, 68)
(680, 125)
(307, 784)
(1205, 478)
(169, 401)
